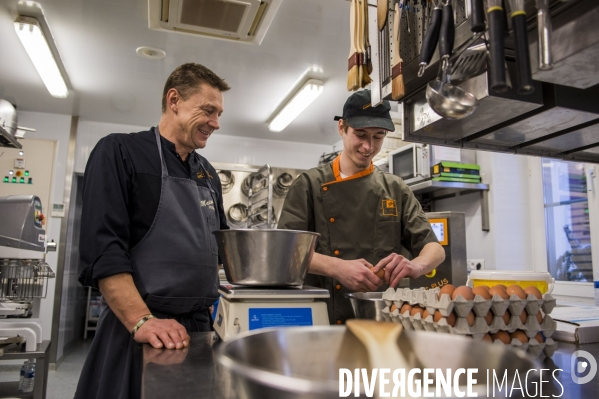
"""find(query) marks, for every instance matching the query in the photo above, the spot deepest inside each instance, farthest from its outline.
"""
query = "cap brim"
(360, 122)
(338, 118)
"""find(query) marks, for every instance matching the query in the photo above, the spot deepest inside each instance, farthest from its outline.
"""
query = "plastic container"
(29, 378)
(541, 280)
(22, 374)
(597, 293)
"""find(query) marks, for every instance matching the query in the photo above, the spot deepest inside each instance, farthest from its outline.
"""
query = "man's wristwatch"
(141, 323)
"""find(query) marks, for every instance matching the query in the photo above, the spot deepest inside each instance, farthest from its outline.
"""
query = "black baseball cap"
(359, 113)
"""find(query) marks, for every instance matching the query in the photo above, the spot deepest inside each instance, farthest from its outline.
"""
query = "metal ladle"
(445, 99)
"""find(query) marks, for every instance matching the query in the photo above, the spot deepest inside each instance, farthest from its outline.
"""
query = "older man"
(150, 205)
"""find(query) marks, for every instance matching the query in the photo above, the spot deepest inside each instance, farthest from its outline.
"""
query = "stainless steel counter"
(194, 373)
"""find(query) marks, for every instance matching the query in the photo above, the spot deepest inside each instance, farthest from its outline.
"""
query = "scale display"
(279, 317)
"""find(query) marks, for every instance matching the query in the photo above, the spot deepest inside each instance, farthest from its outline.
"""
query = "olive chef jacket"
(368, 215)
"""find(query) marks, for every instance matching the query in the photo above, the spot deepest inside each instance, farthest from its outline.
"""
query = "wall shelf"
(438, 190)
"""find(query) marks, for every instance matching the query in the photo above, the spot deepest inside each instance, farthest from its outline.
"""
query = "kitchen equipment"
(24, 272)
(282, 184)
(242, 309)
(237, 214)
(414, 162)
(304, 362)
(227, 180)
(544, 35)
(470, 63)
(523, 75)
(397, 87)
(367, 305)
(430, 38)
(380, 340)
(382, 11)
(541, 280)
(9, 131)
(260, 199)
(495, 17)
(450, 229)
(353, 62)
(266, 257)
(477, 16)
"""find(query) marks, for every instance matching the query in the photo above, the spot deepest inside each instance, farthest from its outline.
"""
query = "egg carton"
(478, 329)
(533, 347)
(412, 296)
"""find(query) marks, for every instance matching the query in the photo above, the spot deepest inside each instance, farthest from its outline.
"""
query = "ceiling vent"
(241, 20)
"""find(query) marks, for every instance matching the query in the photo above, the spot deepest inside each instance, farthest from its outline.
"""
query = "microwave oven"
(414, 162)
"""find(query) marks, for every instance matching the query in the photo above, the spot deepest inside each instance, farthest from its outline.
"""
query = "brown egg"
(417, 310)
(437, 316)
(446, 289)
(501, 285)
(539, 338)
(482, 291)
(485, 287)
(464, 291)
(516, 290)
(519, 335)
(498, 290)
(392, 308)
(451, 319)
(487, 338)
(540, 317)
(523, 316)
(425, 314)
(506, 318)
(503, 336)
(405, 308)
(380, 274)
(489, 318)
(470, 318)
(533, 291)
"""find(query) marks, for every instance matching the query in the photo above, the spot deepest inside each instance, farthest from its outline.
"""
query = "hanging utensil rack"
(260, 197)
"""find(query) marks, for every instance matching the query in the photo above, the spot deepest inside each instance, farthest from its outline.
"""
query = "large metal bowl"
(266, 257)
(304, 362)
(367, 305)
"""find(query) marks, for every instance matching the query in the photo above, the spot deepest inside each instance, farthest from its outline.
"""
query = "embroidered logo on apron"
(208, 203)
(389, 207)
(200, 175)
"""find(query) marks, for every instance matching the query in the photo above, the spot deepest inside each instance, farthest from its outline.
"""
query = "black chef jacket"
(126, 169)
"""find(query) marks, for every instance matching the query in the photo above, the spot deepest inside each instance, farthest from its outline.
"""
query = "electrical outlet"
(476, 264)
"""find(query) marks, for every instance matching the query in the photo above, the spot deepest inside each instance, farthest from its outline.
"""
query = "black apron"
(176, 273)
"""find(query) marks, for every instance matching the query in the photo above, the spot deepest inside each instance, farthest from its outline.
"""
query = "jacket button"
(339, 322)
(325, 188)
(338, 286)
(332, 220)
(336, 252)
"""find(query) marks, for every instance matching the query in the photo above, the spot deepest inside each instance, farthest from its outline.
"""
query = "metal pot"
(304, 362)
(266, 257)
(238, 214)
(367, 305)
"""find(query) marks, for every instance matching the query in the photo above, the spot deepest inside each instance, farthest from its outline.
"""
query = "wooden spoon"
(382, 11)
(380, 340)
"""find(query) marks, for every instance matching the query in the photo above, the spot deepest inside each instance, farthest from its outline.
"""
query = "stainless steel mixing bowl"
(304, 362)
(367, 305)
(266, 257)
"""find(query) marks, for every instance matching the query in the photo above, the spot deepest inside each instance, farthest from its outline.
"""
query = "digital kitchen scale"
(243, 308)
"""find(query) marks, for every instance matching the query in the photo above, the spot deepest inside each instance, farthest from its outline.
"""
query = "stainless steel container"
(266, 257)
(367, 305)
(304, 362)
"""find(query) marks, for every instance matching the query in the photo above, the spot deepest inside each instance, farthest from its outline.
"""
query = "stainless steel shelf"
(438, 190)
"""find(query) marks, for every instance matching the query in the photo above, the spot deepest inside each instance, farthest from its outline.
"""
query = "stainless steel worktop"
(194, 372)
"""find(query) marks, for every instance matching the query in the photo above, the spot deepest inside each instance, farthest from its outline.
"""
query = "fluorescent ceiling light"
(299, 102)
(29, 31)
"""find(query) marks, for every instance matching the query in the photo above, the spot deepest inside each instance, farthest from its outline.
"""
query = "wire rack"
(24, 280)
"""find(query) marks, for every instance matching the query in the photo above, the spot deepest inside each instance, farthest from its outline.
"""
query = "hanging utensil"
(397, 84)
(477, 16)
(544, 30)
(430, 38)
(524, 74)
(471, 61)
(362, 9)
(353, 62)
(497, 50)
(445, 99)
(382, 9)
(367, 53)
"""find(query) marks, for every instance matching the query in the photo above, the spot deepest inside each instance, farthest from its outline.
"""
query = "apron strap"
(162, 161)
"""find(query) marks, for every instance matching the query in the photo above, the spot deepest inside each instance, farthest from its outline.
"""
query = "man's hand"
(163, 333)
(397, 267)
(356, 275)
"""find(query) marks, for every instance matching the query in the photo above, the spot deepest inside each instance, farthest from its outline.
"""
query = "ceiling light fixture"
(36, 44)
(296, 104)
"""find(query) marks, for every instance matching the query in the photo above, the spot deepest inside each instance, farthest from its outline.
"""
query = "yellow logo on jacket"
(389, 207)
(200, 175)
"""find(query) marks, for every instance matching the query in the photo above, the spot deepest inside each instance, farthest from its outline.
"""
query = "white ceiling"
(97, 41)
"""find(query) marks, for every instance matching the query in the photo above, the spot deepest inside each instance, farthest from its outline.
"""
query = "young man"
(365, 217)
(150, 205)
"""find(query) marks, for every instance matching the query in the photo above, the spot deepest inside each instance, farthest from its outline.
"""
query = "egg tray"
(480, 328)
